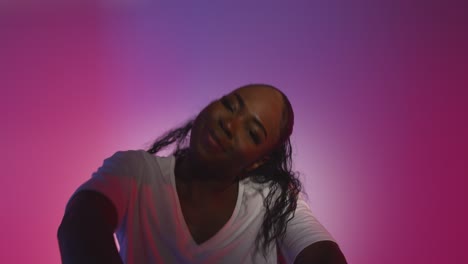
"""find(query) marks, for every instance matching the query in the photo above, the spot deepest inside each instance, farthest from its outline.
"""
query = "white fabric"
(152, 229)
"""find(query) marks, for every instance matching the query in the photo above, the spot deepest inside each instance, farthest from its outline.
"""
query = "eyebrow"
(255, 119)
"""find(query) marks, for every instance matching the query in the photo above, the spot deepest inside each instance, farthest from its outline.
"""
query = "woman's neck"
(201, 182)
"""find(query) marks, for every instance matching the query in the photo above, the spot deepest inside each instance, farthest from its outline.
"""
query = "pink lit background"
(379, 90)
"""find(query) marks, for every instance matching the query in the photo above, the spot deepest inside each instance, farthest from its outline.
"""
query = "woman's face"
(237, 130)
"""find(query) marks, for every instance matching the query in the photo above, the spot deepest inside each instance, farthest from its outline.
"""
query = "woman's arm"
(321, 252)
(86, 234)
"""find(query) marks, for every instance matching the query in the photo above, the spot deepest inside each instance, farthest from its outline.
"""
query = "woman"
(228, 197)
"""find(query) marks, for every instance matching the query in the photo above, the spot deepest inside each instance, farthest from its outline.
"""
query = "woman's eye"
(255, 137)
(226, 103)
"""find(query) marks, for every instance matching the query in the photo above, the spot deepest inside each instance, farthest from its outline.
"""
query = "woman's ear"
(257, 164)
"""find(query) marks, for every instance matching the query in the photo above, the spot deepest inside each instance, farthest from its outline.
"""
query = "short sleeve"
(303, 230)
(116, 179)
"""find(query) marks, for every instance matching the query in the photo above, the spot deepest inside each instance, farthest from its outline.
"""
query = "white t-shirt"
(152, 229)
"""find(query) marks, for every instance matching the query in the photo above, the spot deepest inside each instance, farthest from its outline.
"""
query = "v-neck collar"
(218, 236)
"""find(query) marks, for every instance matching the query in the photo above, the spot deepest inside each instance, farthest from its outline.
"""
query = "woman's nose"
(228, 125)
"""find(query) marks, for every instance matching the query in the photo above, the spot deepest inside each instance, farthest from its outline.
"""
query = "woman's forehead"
(259, 94)
(263, 102)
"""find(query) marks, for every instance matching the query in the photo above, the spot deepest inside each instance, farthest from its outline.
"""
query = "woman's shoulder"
(128, 155)
(143, 164)
(141, 156)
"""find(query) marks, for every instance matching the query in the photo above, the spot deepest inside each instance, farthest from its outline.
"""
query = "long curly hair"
(276, 172)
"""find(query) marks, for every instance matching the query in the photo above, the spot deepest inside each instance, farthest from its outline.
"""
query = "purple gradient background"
(379, 89)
